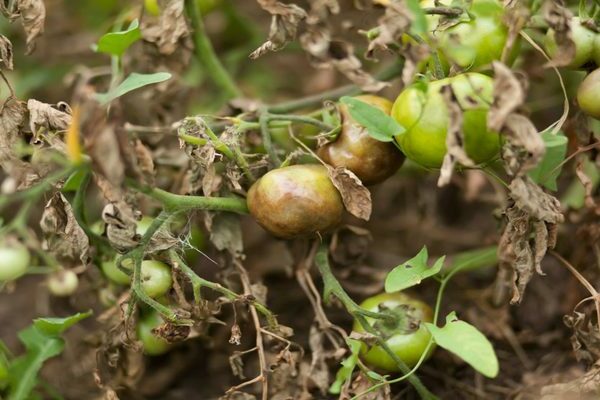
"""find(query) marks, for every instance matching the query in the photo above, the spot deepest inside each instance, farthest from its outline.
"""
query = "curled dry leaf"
(226, 234)
(6, 53)
(392, 25)
(284, 25)
(531, 213)
(509, 94)
(120, 221)
(145, 163)
(454, 139)
(587, 386)
(64, 238)
(588, 184)
(170, 27)
(362, 383)
(318, 372)
(327, 53)
(53, 117)
(356, 197)
(33, 15)
(559, 18)
(586, 338)
(320, 10)
(106, 155)
(12, 118)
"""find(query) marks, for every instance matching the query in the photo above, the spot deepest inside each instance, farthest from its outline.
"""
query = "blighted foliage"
(131, 144)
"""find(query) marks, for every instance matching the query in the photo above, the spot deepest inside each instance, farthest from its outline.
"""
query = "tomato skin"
(14, 260)
(112, 272)
(410, 346)
(371, 160)
(295, 201)
(63, 283)
(424, 115)
(587, 94)
(153, 345)
(585, 44)
(156, 278)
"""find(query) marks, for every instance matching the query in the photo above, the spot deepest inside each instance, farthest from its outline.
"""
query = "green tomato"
(156, 278)
(14, 260)
(112, 272)
(424, 114)
(153, 345)
(296, 201)
(143, 225)
(408, 338)
(63, 283)
(478, 42)
(585, 44)
(587, 94)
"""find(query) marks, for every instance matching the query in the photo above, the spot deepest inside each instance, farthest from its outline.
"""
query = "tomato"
(424, 114)
(294, 201)
(587, 94)
(472, 43)
(112, 272)
(156, 278)
(371, 160)
(585, 44)
(63, 283)
(306, 133)
(153, 345)
(143, 225)
(14, 260)
(408, 339)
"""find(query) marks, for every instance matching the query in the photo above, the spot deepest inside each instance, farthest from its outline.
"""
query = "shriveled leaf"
(6, 53)
(379, 125)
(395, 23)
(284, 25)
(468, 343)
(226, 234)
(412, 272)
(33, 16)
(116, 43)
(132, 82)
(54, 117)
(120, 219)
(560, 20)
(508, 95)
(356, 197)
(546, 172)
(169, 29)
(344, 374)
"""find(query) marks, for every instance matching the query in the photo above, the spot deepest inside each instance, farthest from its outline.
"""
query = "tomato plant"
(583, 39)
(14, 260)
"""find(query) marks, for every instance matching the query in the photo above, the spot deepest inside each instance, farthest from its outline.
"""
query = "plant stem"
(263, 120)
(332, 286)
(302, 119)
(206, 53)
(198, 282)
(176, 202)
(334, 94)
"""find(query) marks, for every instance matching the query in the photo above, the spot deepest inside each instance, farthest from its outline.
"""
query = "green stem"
(263, 120)
(302, 119)
(348, 90)
(176, 202)
(198, 282)
(332, 286)
(233, 154)
(206, 53)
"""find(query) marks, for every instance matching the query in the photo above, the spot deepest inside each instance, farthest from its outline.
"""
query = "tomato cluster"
(587, 44)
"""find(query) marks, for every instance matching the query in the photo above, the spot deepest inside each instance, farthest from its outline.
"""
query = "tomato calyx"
(400, 320)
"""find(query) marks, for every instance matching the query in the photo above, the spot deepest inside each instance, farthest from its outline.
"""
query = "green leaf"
(345, 372)
(468, 343)
(116, 43)
(56, 326)
(41, 343)
(546, 172)
(474, 259)
(412, 272)
(419, 23)
(380, 126)
(74, 181)
(132, 82)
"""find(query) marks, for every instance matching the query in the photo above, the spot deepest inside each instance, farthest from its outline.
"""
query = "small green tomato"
(156, 278)
(14, 260)
(63, 283)
(153, 345)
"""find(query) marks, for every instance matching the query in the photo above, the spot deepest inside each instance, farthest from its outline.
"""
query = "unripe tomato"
(371, 160)
(153, 345)
(306, 133)
(584, 40)
(112, 272)
(14, 260)
(471, 44)
(424, 114)
(588, 94)
(156, 278)
(63, 283)
(294, 201)
(408, 338)
(143, 225)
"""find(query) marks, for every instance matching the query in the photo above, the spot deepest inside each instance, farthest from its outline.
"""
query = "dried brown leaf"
(509, 94)
(145, 163)
(64, 238)
(53, 117)
(318, 373)
(121, 221)
(586, 387)
(226, 234)
(559, 19)
(524, 148)
(33, 15)
(284, 25)
(107, 157)
(170, 27)
(586, 338)
(395, 22)
(356, 197)
(6, 53)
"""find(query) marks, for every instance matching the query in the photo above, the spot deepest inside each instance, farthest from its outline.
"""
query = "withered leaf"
(6, 53)
(327, 53)
(168, 29)
(525, 147)
(508, 96)
(145, 163)
(585, 387)
(226, 234)
(532, 199)
(64, 238)
(356, 197)
(284, 25)
(120, 219)
(33, 15)
(395, 22)
(106, 155)
(559, 19)
(42, 115)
